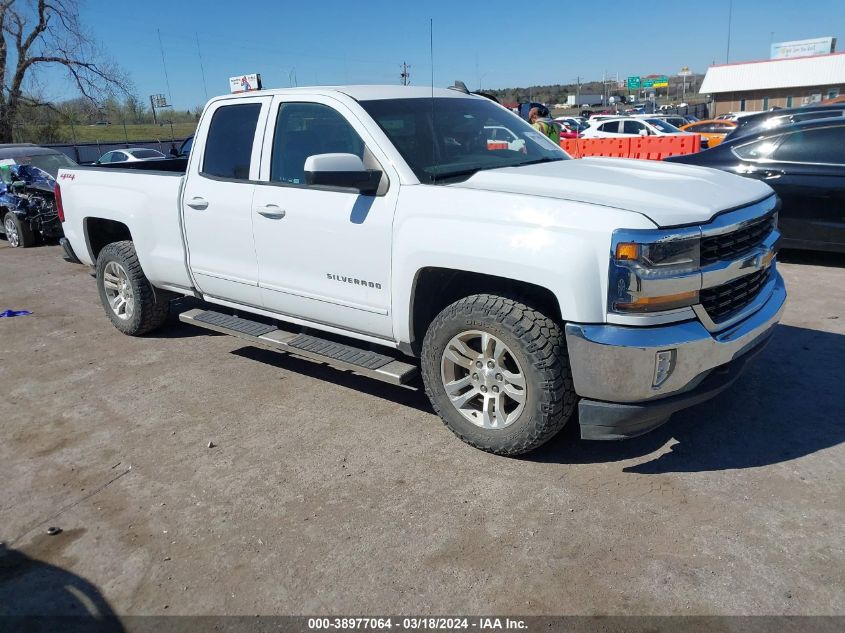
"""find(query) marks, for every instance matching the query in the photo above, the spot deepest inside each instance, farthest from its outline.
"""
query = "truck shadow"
(38, 596)
(812, 258)
(788, 404)
(412, 396)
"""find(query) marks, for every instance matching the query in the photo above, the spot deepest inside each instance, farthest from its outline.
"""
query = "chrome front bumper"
(617, 364)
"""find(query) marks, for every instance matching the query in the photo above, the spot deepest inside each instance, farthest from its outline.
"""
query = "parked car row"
(804, 162)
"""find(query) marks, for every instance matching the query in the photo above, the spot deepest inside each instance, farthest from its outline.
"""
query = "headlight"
(654, 273)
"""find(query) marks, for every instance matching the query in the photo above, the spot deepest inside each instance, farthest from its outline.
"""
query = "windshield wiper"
(475, 170)
(545, 159)
(458, 174)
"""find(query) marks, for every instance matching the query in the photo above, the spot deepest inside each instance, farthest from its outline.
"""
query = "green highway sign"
(655, 82)
(633, 83)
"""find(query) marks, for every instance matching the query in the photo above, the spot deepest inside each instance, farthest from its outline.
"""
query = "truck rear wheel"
(497, 374)
(18, 233)
(129, 300)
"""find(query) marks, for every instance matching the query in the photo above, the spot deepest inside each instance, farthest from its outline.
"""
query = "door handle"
(767, 174)
(272, 211)
(197, 203)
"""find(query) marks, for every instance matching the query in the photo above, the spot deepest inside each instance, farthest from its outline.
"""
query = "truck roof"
(362, 93)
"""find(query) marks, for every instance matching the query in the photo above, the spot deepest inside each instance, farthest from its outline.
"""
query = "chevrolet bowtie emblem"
(766, 258)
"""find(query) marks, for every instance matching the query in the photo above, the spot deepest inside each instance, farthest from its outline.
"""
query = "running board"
(339, 355)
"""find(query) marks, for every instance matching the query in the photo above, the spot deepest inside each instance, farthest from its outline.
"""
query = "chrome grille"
(735, 244)
(722, 302)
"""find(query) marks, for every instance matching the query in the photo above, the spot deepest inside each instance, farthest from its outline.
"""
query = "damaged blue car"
(27, 204)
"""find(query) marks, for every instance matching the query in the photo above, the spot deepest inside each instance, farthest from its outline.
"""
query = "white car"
(129, 155)
(572, 122)
(672, 119)
(497, 134)
(629, 126)
(371, 228)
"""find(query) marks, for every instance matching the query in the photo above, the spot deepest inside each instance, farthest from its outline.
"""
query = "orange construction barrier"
(570, 146)
(643, 147)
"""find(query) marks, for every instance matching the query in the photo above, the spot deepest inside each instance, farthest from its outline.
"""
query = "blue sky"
(497, 44)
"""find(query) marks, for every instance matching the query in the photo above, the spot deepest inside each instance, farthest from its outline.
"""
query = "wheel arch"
(435, 287)
(99, 232)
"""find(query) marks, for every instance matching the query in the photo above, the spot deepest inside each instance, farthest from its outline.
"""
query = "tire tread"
(545, 346)
(153, 312)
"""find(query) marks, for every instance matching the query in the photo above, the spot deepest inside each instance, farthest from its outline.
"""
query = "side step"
(361, 361)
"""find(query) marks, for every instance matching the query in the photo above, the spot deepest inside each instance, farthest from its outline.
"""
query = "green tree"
(41, 33)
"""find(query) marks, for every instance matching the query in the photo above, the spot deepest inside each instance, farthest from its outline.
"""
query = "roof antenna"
(433, 126)
(460, 86)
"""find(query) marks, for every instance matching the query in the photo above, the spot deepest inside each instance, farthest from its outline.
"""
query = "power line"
(202, 70)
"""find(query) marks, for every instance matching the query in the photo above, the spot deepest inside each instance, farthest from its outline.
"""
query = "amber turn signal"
(627, 251)
(655, 304)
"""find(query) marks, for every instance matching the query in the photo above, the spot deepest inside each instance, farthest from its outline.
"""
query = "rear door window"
(610, 128)
(228, 145)
(632, 127)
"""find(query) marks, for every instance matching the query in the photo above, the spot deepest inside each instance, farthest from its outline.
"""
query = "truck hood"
(668, 194)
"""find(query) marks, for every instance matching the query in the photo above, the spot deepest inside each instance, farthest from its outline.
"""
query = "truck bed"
(129, 196)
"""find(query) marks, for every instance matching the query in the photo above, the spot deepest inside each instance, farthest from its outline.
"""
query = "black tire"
(150, 307)
(537, 344)
(25, 236)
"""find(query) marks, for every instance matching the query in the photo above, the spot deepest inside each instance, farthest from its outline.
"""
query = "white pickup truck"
(369, 226)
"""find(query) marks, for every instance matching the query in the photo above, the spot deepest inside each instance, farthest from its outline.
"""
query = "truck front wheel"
(129, 300)
(497, 374)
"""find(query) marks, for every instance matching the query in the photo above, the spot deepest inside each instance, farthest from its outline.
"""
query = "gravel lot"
(327, 493)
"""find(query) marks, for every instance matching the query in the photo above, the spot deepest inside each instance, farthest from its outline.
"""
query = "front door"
(217, 199)
(323, 255)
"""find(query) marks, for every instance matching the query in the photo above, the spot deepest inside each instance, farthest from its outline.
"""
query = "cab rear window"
(228, 146)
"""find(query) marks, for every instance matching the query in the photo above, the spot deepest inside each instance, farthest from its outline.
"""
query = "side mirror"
(341, 170)
(643, 132)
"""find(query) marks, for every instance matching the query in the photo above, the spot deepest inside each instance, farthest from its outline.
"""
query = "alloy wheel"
(11, 231)
(483, 379)
(118, 291)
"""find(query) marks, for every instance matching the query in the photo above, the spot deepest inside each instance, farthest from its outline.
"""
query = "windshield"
(663, 126)
(51, 163)
(461, 139)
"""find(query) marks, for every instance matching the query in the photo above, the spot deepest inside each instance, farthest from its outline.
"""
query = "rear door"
(217, 199)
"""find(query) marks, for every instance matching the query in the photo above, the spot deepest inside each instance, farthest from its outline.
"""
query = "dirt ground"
(327, 493)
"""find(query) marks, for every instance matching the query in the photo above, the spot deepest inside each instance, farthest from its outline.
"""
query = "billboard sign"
(803, 48)
(245, 83)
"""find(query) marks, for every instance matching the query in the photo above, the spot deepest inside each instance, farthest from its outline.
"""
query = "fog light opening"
(664, 365)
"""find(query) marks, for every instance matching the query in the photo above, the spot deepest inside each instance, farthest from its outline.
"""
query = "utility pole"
(730, 15)
(405, 74)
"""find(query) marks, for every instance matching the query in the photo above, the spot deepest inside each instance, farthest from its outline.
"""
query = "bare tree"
(35, 34)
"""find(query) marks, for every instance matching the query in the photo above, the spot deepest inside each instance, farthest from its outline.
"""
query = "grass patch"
(117, 133)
